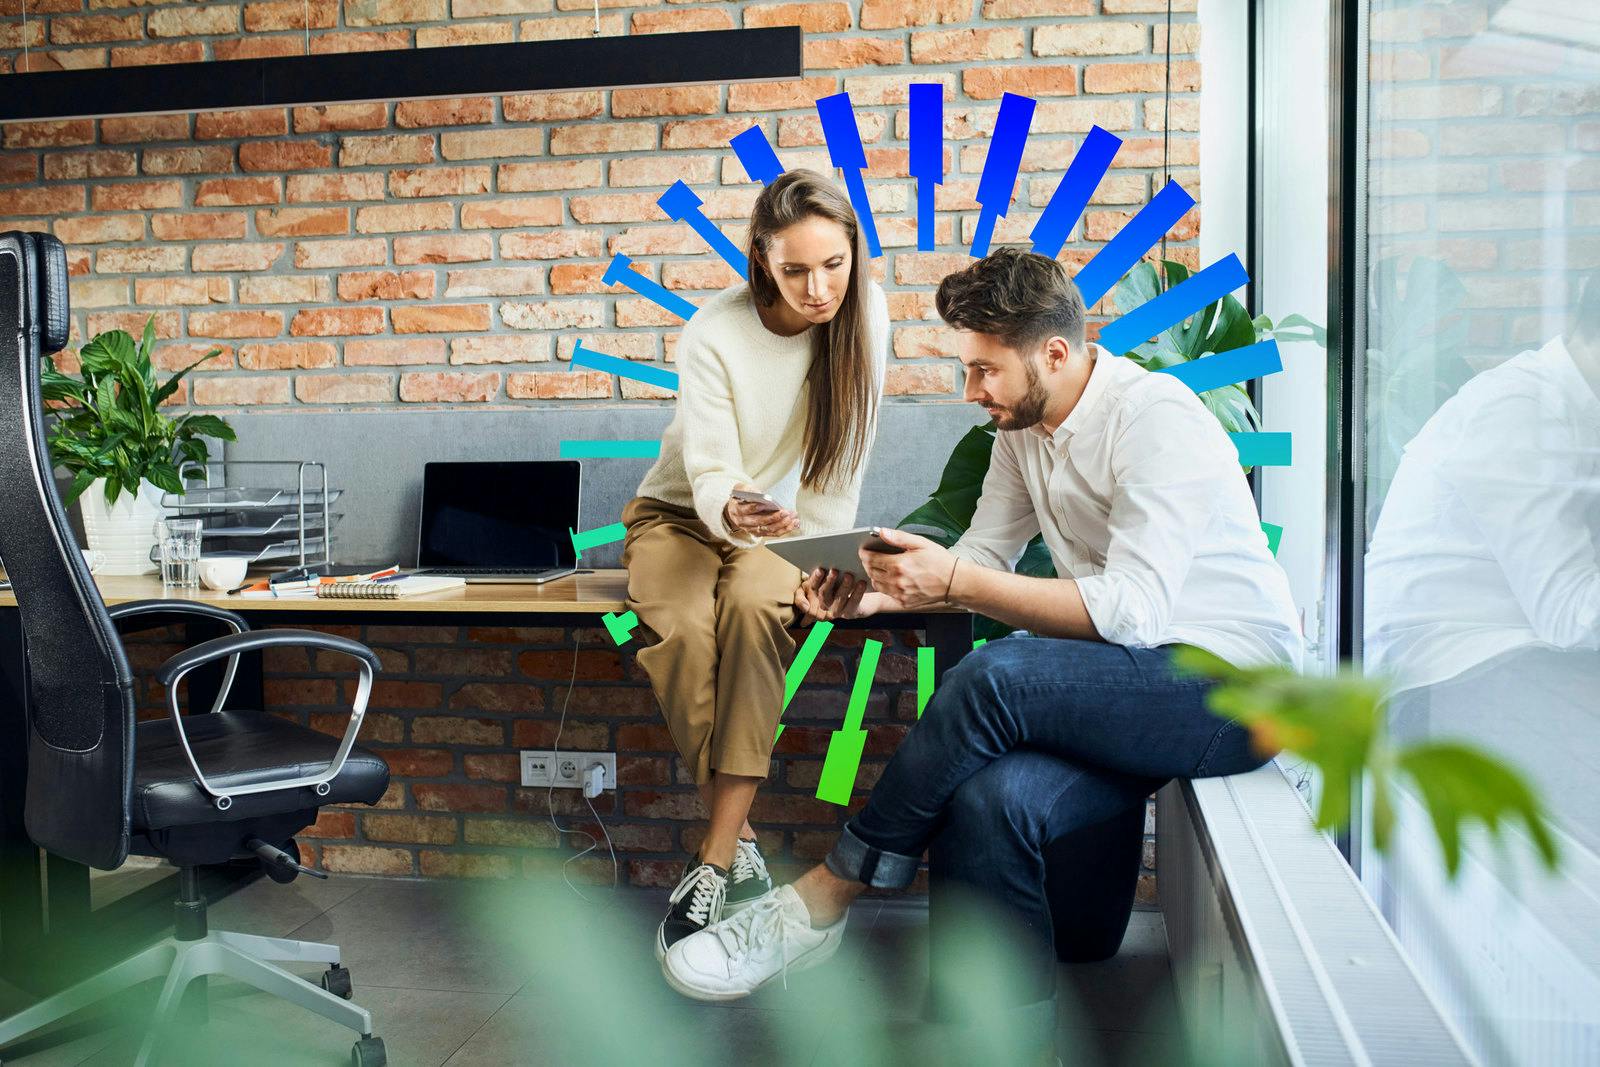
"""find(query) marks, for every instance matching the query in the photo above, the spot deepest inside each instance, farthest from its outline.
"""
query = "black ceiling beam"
(661, 59)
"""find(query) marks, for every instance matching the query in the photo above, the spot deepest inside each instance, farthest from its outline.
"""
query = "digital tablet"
(835, 551)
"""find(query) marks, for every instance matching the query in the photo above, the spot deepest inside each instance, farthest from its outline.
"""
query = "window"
(1480, 528)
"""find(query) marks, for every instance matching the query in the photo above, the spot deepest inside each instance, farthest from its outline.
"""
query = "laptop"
(503, 522)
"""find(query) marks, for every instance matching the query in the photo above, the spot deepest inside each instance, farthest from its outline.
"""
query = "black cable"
(1166, 135)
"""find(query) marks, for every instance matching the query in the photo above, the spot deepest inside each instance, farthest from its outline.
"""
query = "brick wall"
(1484, 158)
(450, 252)
(454, 704)
(447, 253)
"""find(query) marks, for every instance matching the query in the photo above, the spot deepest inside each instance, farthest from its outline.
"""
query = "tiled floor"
(466, 974)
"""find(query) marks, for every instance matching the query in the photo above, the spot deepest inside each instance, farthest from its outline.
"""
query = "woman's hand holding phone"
(752, 512)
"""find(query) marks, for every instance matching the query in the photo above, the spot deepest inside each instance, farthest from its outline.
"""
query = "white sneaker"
(737, 956)
(694, 905)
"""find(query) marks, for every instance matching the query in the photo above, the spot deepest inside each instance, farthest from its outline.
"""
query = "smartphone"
(874, 543)
(765, 502)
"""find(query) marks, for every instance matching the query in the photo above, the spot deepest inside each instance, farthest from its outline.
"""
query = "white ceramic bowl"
(221, 572)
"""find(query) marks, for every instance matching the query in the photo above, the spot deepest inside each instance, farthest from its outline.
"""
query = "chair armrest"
(206, 651)
(189, 607)
(178, 607)
(171, 673)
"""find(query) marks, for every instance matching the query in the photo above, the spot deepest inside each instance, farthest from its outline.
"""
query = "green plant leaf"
(81, 481)
(164, 475)
(107, 353)
(170, 386)
(1460, 784)
(207, 426)
(1287, 330)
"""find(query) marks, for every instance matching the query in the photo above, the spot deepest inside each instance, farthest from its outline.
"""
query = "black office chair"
(197, 789)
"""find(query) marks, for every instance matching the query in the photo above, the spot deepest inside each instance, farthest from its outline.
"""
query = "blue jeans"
(1027, 739)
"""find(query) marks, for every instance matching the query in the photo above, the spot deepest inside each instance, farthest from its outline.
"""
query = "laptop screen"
(499, 514)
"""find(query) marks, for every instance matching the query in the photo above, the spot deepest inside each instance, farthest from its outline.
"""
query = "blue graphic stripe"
(1142, 233)
(681, 204)
(1229, 368)
(1072, 195)
(1264, 449)
(622, 368)
(1000, 166)
(618, 273)
(857, 188)
(755, 154)
(927, 155)
(927, 234)
(1174, 305)
(610, 449)
(845, 152)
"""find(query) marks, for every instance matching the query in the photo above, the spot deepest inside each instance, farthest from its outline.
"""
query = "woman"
(779, 381)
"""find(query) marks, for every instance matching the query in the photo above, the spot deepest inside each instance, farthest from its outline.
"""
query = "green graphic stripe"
(843, 761)
(1274, 536)
(924, 678)
(620, 626)
(802, 666)
(588, 539)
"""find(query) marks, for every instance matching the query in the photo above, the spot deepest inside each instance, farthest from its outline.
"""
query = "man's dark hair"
(1020, 297)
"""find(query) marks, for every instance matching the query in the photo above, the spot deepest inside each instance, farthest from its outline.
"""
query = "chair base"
(244, 957)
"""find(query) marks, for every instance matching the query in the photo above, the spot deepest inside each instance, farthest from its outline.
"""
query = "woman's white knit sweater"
(741, 417)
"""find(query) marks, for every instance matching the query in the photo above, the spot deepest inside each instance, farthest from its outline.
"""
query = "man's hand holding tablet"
(905, 572)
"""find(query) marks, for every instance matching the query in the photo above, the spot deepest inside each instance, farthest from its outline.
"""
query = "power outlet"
(543, 767)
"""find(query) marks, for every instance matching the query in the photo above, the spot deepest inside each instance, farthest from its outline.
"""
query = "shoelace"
(708, 887)
(753, 929)
(747, 862)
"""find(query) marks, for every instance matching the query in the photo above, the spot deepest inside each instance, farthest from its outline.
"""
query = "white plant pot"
(124, 533)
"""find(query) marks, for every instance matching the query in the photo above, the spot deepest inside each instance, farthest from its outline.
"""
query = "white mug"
(222, 572)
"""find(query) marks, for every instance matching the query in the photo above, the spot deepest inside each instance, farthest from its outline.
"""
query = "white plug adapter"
(594, 780)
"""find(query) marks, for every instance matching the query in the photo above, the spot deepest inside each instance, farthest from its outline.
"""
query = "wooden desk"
(590, 594)
(33, 919)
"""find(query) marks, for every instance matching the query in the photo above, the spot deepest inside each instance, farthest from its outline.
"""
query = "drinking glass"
(180, 552)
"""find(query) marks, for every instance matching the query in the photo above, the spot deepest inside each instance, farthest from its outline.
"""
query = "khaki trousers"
(721, 614)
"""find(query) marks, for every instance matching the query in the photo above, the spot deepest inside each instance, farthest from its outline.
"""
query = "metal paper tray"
(284, 550)
(221, 497)
(254, 524)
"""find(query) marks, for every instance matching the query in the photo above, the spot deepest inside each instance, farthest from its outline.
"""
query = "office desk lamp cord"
(550, 793)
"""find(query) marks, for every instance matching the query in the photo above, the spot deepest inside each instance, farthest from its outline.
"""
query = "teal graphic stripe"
(610, 449)
(1264, 449)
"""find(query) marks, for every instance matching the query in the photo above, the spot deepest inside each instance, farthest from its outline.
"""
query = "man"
(1156, 541)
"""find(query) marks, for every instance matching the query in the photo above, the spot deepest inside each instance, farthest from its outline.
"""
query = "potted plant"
(122, 451)
(1219, 326)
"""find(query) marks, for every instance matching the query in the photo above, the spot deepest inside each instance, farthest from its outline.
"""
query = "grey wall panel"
(377, 458)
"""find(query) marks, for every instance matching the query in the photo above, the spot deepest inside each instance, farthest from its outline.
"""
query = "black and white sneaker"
(693, 906)
(747, 878)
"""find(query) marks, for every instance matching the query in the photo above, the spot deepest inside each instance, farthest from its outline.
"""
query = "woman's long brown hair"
(843, 396)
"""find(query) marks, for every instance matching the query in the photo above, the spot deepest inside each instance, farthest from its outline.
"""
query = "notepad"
(392, 589)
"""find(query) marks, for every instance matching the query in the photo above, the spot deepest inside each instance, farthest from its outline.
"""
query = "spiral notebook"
(390, 589)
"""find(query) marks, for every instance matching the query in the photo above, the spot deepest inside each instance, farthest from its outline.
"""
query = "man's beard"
(1029, 411)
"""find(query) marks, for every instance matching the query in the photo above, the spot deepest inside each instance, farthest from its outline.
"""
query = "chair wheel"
(368, 1052)
(336, 980)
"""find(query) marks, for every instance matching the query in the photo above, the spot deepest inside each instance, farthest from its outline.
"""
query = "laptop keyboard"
(471, 572)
